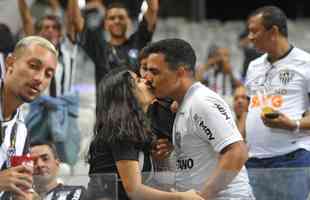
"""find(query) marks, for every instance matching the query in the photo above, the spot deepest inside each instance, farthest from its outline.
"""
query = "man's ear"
(181, 71)
(9, 62)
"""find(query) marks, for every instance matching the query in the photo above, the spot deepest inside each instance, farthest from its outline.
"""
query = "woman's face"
(141, 91)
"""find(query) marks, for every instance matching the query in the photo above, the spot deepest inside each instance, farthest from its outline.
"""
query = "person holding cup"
(29, 70)
(277, 129)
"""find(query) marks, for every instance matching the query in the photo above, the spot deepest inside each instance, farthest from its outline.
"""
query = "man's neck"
(116, 41)
(9, 103)
(185, 86)
(42, 190)
(280, 50)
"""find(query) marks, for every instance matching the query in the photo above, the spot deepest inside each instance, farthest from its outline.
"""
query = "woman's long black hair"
(119, 117)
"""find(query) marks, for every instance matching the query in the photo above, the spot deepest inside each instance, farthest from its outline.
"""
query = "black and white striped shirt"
(13, 135)
(63, 80)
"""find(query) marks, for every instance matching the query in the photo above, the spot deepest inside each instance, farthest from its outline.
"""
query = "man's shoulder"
(300, 55)
(201, 96)
(258, 61)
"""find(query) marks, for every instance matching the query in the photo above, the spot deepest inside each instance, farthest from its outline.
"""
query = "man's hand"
(162, 149)
(13, 178)
(282, 122)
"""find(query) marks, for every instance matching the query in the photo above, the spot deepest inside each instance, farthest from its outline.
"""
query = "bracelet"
(297, 129)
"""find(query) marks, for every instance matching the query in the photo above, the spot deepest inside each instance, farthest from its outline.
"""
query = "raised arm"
(26, 16)
(132, 182)
(75, 20)
(151, 14)
(75, 17)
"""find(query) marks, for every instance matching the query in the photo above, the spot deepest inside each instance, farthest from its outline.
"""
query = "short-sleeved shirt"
(103, 165)
(283, 85)
(203, 127)
(106, 56)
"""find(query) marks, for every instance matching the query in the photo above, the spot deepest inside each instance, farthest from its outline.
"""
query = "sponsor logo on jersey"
(184, 164)
(202, 125)
(222, 110)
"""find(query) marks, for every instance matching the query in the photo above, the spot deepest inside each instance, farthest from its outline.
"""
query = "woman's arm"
(132, 182)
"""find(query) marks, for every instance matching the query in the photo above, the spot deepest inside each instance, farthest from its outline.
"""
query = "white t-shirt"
(284, 86)
(202, 128)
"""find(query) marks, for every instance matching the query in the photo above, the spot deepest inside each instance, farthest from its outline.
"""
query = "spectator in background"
(29, 70)
(54, 115)
(240, 105)
(122, 141)
(7, 44)
(249, 51)
(218, 74)
(277, 130)
(119, 49)
(46, 167)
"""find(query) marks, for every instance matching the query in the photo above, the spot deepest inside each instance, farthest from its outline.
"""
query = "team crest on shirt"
(285, 76)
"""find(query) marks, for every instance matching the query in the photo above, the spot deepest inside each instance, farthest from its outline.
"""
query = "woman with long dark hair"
(122, 141)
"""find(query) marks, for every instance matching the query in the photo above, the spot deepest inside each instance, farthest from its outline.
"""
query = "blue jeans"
(285, 177)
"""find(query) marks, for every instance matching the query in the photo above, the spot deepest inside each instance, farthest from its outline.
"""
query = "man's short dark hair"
(117, 5)
(272, 16)
(49, 144)
(177, 52)
(39, 24)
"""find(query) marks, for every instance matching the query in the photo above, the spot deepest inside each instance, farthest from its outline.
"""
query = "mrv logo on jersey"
(222, 110)
(204, 127)
(183, 164)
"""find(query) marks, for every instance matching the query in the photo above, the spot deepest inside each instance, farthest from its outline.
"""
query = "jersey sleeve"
(213, 122)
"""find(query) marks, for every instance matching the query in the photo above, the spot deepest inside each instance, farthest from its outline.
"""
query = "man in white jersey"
(278, 81)
(209, 149)
(28, 72)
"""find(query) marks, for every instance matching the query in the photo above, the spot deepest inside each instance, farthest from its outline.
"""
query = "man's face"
(159, 77)
(241, 102)
(142, 91)
(143, 67)
(29, 72)
(50, 31)
(116, 22)
(45, 165)
(258, 34)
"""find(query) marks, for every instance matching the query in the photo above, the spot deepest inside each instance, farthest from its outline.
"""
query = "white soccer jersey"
(12, 131)
(202, 128)
(20, 137)
(283, 85)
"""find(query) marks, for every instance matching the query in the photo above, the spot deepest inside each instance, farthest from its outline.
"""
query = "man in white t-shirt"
(276, 125)
(210, 152)
(28, 72)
